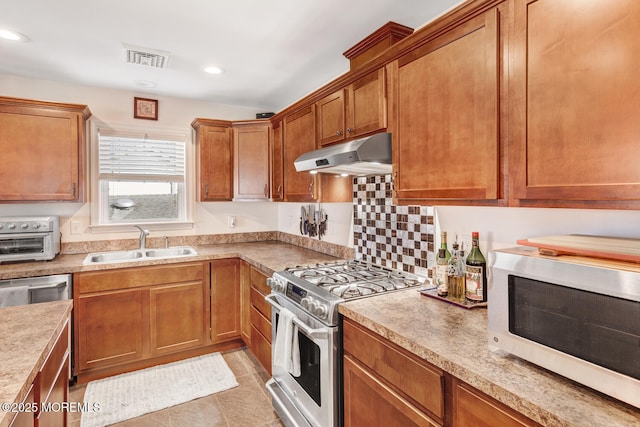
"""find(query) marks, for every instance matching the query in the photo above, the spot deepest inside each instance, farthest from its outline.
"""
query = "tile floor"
(247, 405)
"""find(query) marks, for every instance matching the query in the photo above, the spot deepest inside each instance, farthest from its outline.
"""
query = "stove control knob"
(320, 310)
(12, 226)
(24, 226)
(36, 225)
(305, 303)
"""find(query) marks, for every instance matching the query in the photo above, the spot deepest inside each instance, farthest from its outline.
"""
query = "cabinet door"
(367, 104)
(42, 152)
(251, 161)
(299, 138)
(277, 181)
(331, 118)
(446, 145)
(177, 320)
(245, 302)
(215, 162)
(109, 328)
(474, 408)
(369, 402)
(575, 105)
(225, 300)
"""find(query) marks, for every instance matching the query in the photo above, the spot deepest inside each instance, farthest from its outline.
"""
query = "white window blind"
(141, 157)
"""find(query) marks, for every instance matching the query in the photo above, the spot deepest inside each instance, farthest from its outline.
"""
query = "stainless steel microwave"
(574, 316)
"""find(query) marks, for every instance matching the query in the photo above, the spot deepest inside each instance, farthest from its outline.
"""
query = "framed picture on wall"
(144, 108)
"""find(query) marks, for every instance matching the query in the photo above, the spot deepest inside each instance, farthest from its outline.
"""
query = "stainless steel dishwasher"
(32, 290)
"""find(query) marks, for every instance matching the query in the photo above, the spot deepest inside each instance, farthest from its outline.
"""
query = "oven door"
(314, 394)
(26, 246)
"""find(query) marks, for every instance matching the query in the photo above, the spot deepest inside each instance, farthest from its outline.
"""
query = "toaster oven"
(29, 238)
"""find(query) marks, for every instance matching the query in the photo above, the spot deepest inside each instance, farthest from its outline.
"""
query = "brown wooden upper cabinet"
(43, 149)
(446, 145)
(214, 140)
(574, 89)
(358, 109)
(277, 172)
(251, 160)
(299, 138)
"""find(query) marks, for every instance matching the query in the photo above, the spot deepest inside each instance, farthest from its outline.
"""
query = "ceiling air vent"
(144, 56)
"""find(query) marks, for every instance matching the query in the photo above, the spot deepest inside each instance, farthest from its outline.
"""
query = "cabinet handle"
(393, 183)
(266, 191)
(339, 133)
(311, 189)
(206, 191)
(73, 190)
(349, 130)
(280, 190)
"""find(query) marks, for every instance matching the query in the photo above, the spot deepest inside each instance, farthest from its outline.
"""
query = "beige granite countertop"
(268, 256)
(455, 339)
(27, 334)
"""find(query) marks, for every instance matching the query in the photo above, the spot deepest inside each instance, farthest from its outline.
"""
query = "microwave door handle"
(315, 334)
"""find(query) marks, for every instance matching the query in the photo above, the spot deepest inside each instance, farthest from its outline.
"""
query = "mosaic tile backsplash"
(399, 237)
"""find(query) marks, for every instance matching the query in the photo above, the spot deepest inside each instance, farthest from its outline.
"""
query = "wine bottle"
(443, 245)
(476, 274)
(442, 269)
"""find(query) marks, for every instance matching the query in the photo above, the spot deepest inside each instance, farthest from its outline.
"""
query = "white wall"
(501, 227)
(339, 221)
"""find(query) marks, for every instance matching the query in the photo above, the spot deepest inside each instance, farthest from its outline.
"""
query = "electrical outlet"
(231, 220)
(76, 227)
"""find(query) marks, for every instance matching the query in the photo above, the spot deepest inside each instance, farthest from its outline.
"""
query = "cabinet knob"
(266, 190)
(349, 130)
(339, 133)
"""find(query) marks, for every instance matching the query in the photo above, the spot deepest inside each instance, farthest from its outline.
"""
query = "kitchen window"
(141, 177)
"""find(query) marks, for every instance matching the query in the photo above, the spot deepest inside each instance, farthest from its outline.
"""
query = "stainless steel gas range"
(306, 340)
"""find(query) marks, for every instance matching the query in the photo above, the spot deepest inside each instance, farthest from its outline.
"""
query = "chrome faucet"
(143, 237)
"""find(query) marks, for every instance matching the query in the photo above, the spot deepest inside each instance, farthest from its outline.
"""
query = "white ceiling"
(272, 52)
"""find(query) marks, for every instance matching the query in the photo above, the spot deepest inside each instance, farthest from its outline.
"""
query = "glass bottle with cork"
(456, 276)
(476, 272)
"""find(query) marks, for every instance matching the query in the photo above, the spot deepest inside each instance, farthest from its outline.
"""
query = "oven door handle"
(57, 285)
(315, 334)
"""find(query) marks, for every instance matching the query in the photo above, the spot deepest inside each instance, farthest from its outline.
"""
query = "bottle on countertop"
(456, 276)
(476, 272)
(443, 244)
(442, 272)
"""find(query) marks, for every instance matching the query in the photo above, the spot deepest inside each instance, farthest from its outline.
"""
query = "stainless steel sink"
(138, 255)
(170, 252)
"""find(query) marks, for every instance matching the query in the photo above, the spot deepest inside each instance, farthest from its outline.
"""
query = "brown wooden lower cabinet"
(50, 389)
(471, 407)
(368, 401)
(225, 300)
(385, 384)
(132, 318)
(260, 318)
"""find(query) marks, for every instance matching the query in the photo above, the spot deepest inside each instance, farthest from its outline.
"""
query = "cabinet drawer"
(59, 393)
(261, 323)
(261, 348)
(419, 381)
(258, 301)
(138, 277)
(56, 358)
(259, 281)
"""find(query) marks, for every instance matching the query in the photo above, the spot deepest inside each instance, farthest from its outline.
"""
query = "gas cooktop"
(318, 289)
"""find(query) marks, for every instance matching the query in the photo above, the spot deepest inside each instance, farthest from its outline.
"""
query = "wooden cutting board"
(618, 248)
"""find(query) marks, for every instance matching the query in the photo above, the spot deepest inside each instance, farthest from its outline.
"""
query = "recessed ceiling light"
(145, 83)
(213, 70)
(11, 35)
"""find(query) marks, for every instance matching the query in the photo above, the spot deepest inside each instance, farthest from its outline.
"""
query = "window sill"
(127, 227)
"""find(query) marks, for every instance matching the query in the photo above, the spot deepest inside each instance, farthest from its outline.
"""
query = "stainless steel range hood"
(366, 156)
